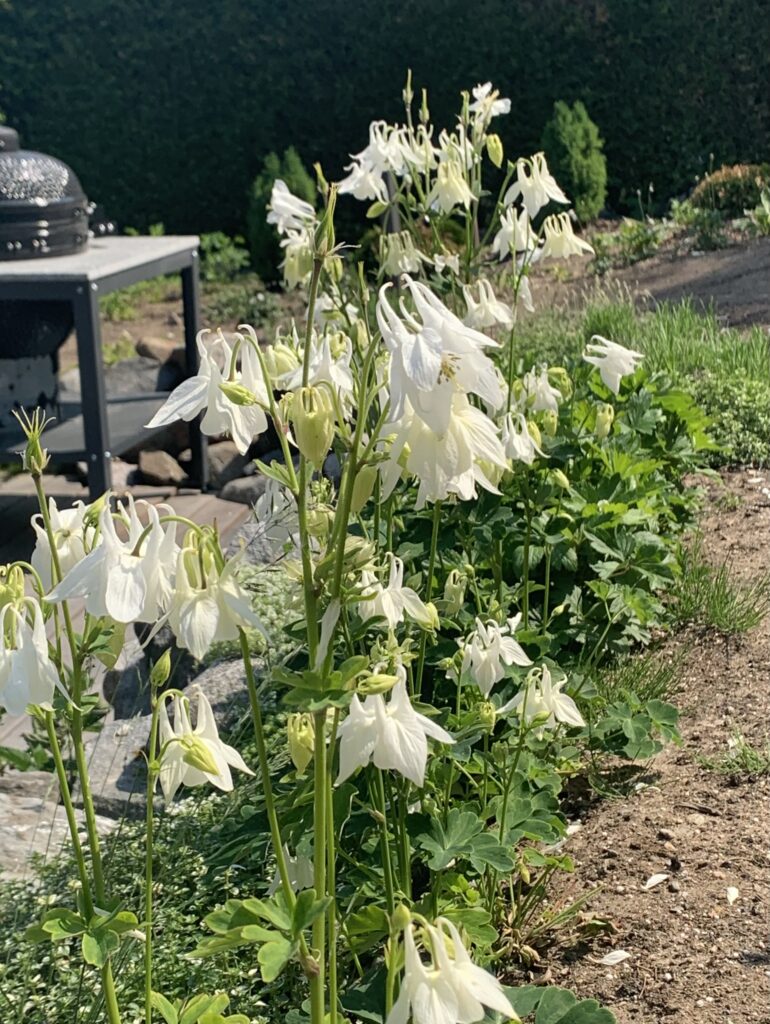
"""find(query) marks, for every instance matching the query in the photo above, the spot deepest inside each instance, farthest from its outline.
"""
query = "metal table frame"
(83, 291)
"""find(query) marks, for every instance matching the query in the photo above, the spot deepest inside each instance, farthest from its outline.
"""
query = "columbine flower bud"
(454, 592)
(605, 415)
(402, 917)
(561, 380)
(198, 755)
(495, 149)
(550, 422)
(35, 457)
(312, 417)
(534, 432)
(280, 359)
(161, 670)
(301, 736)
(319, 522)
(363, 485)
(560, 479)
(487, 714)
(424, 111)
(378, 682)
(238, 394)
(324, 237)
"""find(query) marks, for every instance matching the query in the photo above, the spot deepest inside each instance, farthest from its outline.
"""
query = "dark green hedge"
(166, 108)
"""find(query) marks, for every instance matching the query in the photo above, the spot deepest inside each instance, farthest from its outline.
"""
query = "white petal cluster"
(488, 651)
(541, 698)
(69, 529)
(613, 361)
(561, 242)
(295, 219)
(487, 310)
(538, 392)
(487, 103)
(128, 575)
(518, 442)
(534, 185)
(27, 674)
(390, 734)
(243, 422)
(299, 870)
(515, 234)
(452, 990)
(395, 602)
(399, 255)
(185, 750)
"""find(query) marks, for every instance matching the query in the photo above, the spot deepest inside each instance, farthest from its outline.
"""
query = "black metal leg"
(191, 310)
(85, 304)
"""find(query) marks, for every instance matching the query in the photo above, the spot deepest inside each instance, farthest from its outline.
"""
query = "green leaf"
(556, 1006)
(366, 928)
(273, 957)
(61, 923)
(306, 910)
(446, 844)
(200, 1004)
(164, 1007)
(98, 946)
(486, 850)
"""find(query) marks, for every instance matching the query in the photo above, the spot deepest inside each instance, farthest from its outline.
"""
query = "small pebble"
(664, 833)
(668, 976)
(674, 886)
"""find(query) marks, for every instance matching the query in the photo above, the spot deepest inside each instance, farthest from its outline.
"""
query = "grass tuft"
(742, 760)
(713, 598)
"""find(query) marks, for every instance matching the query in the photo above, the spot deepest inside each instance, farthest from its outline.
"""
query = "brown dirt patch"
(694, 957)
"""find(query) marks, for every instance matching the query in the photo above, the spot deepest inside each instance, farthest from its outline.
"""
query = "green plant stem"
(428, 595)
(152, 776)
(331, 886)
(318, 981)
(525, 563)
(387, 864)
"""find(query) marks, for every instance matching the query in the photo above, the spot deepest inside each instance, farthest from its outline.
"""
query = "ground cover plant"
(502, 528)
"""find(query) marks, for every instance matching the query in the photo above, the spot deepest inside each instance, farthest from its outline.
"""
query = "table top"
(104, 257)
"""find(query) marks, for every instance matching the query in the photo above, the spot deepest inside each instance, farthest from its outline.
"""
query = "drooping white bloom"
(398, 254)
(420, 155)
(123, 578)
(327, 310)
(541, 697)
(561, 242)
(364, 183)
(488, 310)
(207, 605)
(450, 188)
(390, 734)
(540, 394)
(68, 527)
(330, 359)
(613, 360)
(488, 103)
(297, 264)
(518, 442)
(194, 756)
(447, 261)
(204, 392)
(453, 990)
(433, 356)
(515, 234)
(395, 602)
(299, 870)
(488, 650)
(27, 674)
(287, 211)
(454, 461)
(535, 185)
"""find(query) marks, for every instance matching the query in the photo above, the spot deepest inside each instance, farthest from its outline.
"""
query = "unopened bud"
(198, 755)
(524, 872)
(312, 417)
(550, 422)
(487, 714)
(454, 592)
(378, 682)
(324, 236)
(560, 379)
(560, 479)
(161, 670)
(534, 432)
(301, 736)
(424, 111)
(495, 149)
(401, 918)
(605, 415)
(363, 485)
(238, 394)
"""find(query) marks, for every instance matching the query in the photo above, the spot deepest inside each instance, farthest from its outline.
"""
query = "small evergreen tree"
(574, 150)
(262, 237)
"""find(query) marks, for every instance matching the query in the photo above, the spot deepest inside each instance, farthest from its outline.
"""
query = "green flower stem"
(428, 595)
(525, 560)
(152, 776)
(318, 981)
(387, 864)
(331, 885)
(390, 981)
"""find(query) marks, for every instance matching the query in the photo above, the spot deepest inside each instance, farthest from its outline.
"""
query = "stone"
(162, 350)
(158, 467)
(225, 463)
(135, 376)
(244, 489)
(117, 767)
(126, 685)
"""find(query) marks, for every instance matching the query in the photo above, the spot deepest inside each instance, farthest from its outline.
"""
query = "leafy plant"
(263, 241)
(759, 218)
(731, 190)
(742, 760)
(222, 257)
(706, 224)
(575, 152)
(739, 410)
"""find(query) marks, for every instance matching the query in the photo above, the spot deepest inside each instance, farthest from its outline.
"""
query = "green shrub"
(222, 257)
(732, 190)
(740, 414)
(575, 153)
(262, 238)
(706, 224)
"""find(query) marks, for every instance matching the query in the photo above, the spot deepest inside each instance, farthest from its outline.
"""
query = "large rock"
(135, 376)
(225, 463)
(126, 686)
(162, 350)
(244, 489)
(158, 467)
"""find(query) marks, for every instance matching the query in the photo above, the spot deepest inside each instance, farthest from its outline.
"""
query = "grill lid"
(43, 209)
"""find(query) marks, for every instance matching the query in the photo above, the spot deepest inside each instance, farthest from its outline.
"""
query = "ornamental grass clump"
(487, 526)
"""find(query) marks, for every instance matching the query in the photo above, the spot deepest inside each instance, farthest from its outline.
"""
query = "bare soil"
(694, 956)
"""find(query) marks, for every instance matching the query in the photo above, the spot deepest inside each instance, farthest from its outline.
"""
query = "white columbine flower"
(450, 188)
(447, 261)
(561, 242)
(194, 756)
(488, 103)
(468, 453)
(287, 211)
(535, 185)
(515, 234)
(207, 605)
(489, 650)
(394, 602)
(68, 528)
(121, 578)
(204, 391)
(488, 310)
(613, 360)
(297, 264)
(299, 870)
(518, 442)
(398, 254)
(540, 394)
(453, 990)
(390, 734)
(542, 698)
(27, 674)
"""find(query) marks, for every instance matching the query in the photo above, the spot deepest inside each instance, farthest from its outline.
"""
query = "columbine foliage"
(496, 533)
